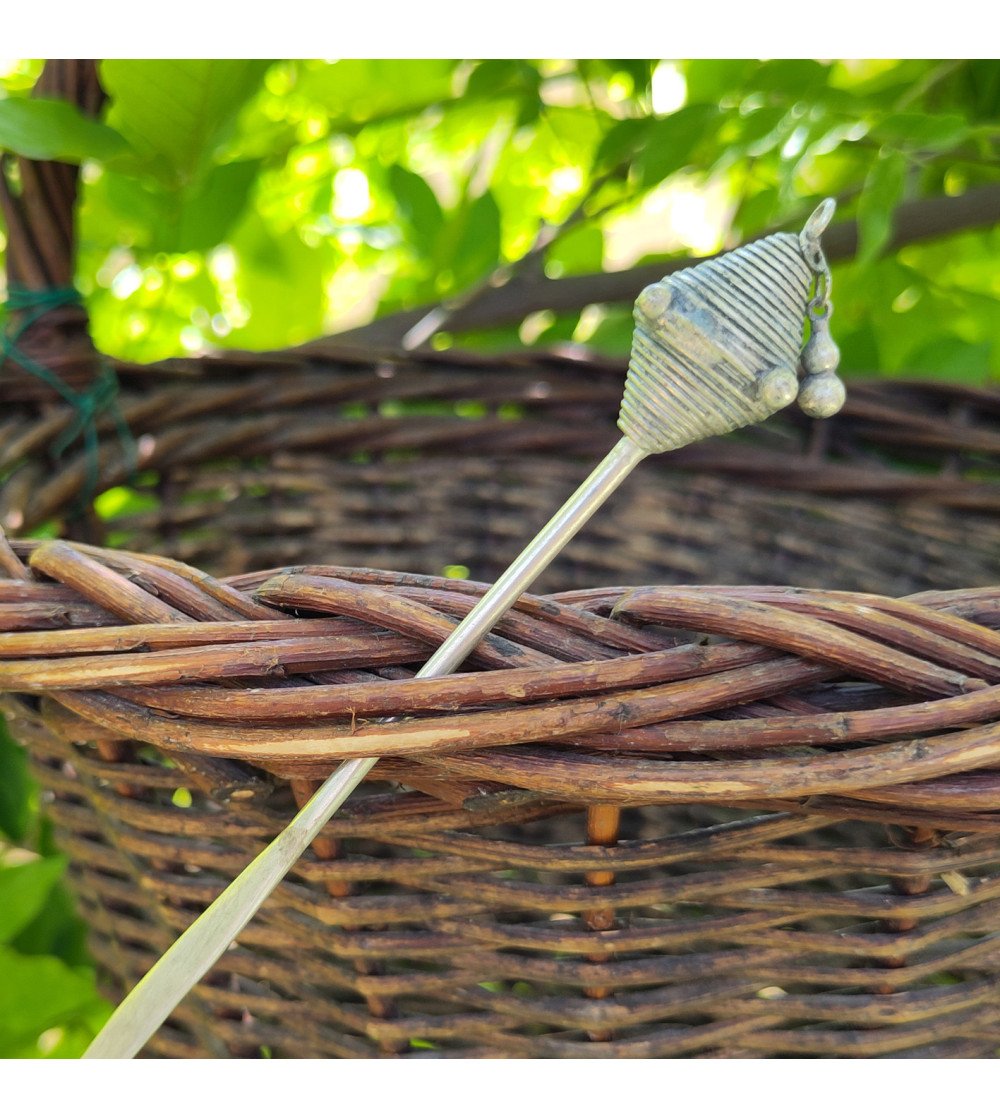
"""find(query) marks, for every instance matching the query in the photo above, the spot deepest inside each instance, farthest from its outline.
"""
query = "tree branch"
(919, 220)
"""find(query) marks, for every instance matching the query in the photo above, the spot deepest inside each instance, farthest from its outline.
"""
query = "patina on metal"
(716, 347)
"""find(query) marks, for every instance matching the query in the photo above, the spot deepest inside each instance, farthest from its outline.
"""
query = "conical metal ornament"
(716, 347)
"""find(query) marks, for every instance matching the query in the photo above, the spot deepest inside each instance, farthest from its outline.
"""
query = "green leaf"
(132, 207)
(206, 214)
(38, 128)
(419, 206)
(475, 240)
(23, 892)
(56, 930)
(791, 78)
(761, 131)
(39, 992)
(15, 787)
(176, 113)
(921, 130)
(672, 141)
(882, 192)
(621, 142)
(193, 217)
(497, 76)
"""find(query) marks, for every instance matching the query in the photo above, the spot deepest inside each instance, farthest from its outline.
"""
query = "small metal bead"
(779, 387)
(654, 300)
(822, 354)
(822, 396)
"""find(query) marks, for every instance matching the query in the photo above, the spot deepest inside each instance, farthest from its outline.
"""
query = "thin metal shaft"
(150, 1002)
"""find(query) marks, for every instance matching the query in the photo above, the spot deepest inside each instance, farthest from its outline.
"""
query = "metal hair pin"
(716, 347)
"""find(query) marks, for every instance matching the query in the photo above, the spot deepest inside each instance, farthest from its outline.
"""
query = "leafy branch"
(912, 222)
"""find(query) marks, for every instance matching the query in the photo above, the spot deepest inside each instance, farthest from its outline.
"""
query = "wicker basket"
(716, 820)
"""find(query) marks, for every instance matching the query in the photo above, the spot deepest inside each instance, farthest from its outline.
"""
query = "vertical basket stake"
(716, 347)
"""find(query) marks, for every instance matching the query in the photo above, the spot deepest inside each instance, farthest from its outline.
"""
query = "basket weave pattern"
(416, 463)
(523, 898)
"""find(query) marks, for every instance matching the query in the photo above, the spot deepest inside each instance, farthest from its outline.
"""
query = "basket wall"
(419, 463)
(417, 930)
(794, 856)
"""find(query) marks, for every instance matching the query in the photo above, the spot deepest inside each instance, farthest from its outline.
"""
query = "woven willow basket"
(731, 818)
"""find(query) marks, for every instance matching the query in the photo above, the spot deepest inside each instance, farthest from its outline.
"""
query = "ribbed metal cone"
(716, 346)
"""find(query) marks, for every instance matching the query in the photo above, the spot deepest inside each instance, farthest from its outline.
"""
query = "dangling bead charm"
(822, 393)
(822, 396)
(822, 354)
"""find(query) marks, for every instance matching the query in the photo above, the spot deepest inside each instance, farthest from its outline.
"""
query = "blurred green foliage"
(49, 1005)
(230, 203)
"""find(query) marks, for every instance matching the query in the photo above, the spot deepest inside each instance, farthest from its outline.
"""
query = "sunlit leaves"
(714, 81)
(18, 75)
(613, 332)
(507, 76)
(269, 266)
(49, 1005)
(356, 92)
(757, 131)
(929, 309)
(179, 197)
(177, 112)
(151, 307)
(192, 218)
(448, 249)
(542, 172)
(45, 129)
(409, 181)
(790, 78)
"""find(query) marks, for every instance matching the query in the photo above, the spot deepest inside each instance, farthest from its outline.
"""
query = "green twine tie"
(88, 404)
